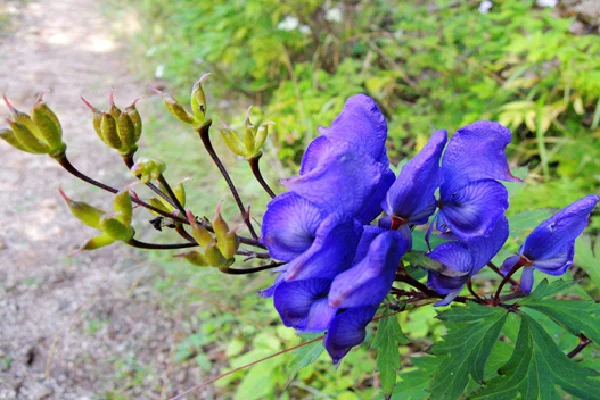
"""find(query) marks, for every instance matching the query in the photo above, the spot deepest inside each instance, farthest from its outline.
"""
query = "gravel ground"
(90, 325)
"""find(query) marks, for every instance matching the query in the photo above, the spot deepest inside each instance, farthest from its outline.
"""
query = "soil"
(91, 325)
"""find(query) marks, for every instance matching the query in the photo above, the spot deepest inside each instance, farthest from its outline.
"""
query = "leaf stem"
(497, 270)
(203, 133)
(579, 348)
(159, 246)
(254, 165)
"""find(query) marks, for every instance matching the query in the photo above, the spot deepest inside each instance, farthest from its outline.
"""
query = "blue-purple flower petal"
(476, 152)
(369, 281)
(290, 225)
(554, 235)
(526, 282)
(472, 210)
(331, 252)
(412, 196)
(346, 330)
(303, 304)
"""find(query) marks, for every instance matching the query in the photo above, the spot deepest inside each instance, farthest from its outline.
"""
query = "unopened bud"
(233, 141)
(108, 131)
(135, 119)
(48, 125)
(154, 202)
(213, 256)
(195, 258)
(96, 118)
(27, 138)
(148, 169)
(199, 232)
(179, 192)
(116, 229)
(87, 214)
(198, 100)
(126, 132)
(113, 109)
(124, 207)
(175, 108)
(97, 242)
(227, 240)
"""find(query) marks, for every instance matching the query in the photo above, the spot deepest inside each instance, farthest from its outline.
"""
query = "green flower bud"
(199, 232)
(87, 214)
(20, 117)
(253, 140)
(195, 258)
(116, 229)
(48, 125)
(96, 118)
(227, 240)
(97, 242)
(108, 131)
(126, 132)
(175, 108)
(134, 114)
(179, 192)
(214, 258)
(233, 141)
(160, 204)
(113, 109)
(27, 138)
(198, 100)
(124, 207)
(147, 169)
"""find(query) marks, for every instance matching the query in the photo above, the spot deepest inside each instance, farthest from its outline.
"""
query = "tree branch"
(579, 348)
(203, 133)
(158, 246)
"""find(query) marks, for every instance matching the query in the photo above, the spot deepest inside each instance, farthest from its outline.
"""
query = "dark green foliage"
(472, 332)
(389, 336)
(536, 368)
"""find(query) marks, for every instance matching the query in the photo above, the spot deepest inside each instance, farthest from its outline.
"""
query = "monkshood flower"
(345, 305)
(346, 169)
(461, 260)
(411, 199)
(471, 200)
(550, 248)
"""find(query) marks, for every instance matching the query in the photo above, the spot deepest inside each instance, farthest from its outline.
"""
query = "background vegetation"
(430, 65)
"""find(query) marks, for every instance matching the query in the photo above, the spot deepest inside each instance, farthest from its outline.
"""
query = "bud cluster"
(114, 227)
(217, 251)
(254, 137)
(197, 117)
(118, 129)
(38, 133)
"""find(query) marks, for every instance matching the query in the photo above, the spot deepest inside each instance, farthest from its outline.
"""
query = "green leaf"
(524, 222)
(389, 335)
(304, 356)
(415, 381)
(536, 367)
(472, 332)
(545, 289)
(575, 316)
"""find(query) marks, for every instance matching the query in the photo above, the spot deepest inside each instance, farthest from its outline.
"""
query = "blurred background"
(121, 324)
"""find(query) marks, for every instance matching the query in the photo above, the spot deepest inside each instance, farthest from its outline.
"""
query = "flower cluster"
(339, 267)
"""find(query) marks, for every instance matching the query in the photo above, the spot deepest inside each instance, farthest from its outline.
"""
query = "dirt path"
(89, 326)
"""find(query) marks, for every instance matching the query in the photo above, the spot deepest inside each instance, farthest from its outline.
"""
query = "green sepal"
(198, 100)
(9, 137)
(124, 207)
(116, 229)
(108, 131)
(86, 213)
(27, 138)
(126, 132)
(48, 125)
(97, 242)
(199, 232)
(134, 114)
(233, 141)
(180, 194)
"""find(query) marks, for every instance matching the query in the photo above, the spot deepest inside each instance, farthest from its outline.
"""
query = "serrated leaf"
(536, 367)
(524, 222)
(472, 332)
(414, 382)
(389, 336)
(304, 356)
(575, 316)
(545, 289)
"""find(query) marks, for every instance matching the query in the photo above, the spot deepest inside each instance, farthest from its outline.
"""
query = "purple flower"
(346, 169)
(461, 260)
(411, 199)
(471, 199)
(550, 248)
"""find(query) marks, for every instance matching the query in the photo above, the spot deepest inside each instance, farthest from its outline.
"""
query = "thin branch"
(520, 263)
(470, 288)
(233, 371)
(253, 270)
(70, 168)
(183, 233)
(175, 201)
(497, 270)
(253, 254)
(254, 165)
(579, 348)
(203, 133)
(159, 246)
